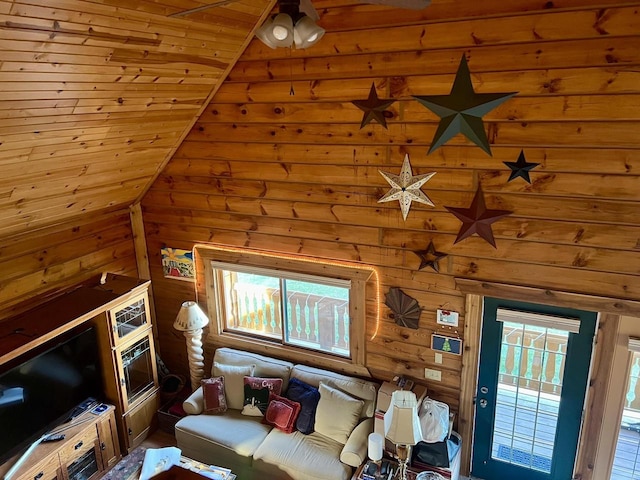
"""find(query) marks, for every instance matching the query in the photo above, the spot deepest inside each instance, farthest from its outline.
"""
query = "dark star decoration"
(373, 108)
(461, 111)
(521, 168)
(477, 219)
(430, 257)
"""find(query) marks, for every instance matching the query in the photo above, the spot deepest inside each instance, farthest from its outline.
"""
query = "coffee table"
(190, 469)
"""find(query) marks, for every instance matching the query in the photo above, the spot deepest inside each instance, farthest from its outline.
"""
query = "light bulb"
(280, 32)
(312, 38)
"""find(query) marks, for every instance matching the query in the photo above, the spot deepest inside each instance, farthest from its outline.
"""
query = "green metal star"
(430, 257)
(406, 187)
(521, 168)
(461, 111)
(373, 108)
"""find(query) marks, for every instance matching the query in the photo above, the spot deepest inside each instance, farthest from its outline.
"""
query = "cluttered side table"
(389, 470)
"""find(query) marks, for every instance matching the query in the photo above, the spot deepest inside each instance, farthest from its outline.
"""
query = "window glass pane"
(626, 462)
(317, 316)
(252, 303)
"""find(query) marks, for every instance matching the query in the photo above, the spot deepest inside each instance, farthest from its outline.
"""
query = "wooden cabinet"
(90, 447)
(129, 365)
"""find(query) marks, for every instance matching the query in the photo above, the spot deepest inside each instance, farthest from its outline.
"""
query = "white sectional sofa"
(255, 450)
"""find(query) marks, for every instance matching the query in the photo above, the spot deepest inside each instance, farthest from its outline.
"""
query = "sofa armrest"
(354, 452)
(194, 405)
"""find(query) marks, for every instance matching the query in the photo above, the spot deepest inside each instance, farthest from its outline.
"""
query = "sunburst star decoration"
(477, 219)
(373, 108)
(521, 168)
(406, 187)
(461, 111)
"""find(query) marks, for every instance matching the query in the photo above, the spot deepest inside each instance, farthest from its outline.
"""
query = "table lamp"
(191, 320)
(402, 426)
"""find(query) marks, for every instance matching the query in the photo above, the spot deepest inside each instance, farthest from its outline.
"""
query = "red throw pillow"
(213, 393)
(282, 413)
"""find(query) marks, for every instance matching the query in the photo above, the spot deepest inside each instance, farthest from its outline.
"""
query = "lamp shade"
(401, 422)
(375, 446)
(306, 33)
(190, 317)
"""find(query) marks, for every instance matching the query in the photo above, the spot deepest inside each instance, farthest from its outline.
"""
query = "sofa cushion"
(308, 397)
(337, 413)
(256, 394)
(213, 395)
(233, 382)
(264, 366)
(304, 456)
(356, 387)
(282, 413)
(232, 430)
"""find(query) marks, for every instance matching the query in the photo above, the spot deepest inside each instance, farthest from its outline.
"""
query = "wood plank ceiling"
(95, 96)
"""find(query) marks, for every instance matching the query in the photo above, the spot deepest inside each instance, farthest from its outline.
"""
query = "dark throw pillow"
(256, 394)
(213, 393)
(308, 397)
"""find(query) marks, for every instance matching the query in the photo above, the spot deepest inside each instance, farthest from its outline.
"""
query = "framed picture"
(446, 344)
(447, 317)
(178, 264)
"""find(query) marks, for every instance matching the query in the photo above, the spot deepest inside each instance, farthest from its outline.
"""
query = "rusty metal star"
(477, 219)
(406, 187)
(373, 108)
(430, 257)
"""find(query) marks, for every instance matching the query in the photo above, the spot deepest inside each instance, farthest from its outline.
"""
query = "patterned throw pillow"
(282, 413)
(256, 394)
(213, 393)
(308, 397)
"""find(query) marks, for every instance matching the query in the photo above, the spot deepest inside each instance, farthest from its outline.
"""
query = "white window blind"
(634, 345)
(566, 324)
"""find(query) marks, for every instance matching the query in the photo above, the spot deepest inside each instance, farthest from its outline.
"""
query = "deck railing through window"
(314, 321)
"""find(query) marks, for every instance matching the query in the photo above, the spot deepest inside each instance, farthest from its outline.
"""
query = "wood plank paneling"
(296, 174)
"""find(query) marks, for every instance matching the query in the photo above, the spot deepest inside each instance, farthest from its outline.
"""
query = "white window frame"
(362, 279)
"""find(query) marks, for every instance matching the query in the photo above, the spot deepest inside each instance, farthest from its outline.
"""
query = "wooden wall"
(46, 261)
(263, 169)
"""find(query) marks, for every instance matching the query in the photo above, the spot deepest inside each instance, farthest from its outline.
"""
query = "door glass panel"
(138, 369)
(530, 378)
(626, 462)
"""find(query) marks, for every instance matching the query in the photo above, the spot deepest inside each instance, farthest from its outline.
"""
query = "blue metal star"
(461, 111)
(521, 168)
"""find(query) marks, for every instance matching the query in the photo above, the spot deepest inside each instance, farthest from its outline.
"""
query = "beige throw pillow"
(337, 414)
(234, 382)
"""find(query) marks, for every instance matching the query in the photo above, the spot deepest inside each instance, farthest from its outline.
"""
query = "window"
(305, 310)
(293, 309)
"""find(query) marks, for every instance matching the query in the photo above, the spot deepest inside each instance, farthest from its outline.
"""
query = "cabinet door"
(108, 441)
(137, 370)
(128, 319)
(139, 420)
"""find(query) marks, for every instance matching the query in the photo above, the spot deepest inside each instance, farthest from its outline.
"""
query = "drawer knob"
(102, 446)
(38, 476)
(78, 445)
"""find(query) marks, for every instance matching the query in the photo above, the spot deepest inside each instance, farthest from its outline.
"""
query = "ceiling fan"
(295, 22)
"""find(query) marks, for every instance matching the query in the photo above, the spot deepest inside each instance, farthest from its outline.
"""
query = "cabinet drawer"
(46, 470)
(79, 444)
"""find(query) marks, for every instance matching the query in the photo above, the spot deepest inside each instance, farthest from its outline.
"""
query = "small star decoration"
(521, 168)
(406, 188)
(373, 108)
(477, 219)
(461, 111)
(430, 257)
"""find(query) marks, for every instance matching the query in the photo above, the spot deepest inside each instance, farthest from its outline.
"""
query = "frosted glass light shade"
(306, 33)
(376, 446)
(401, 421)
(190, 317)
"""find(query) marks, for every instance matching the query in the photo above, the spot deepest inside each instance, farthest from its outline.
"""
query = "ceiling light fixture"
(290, 26)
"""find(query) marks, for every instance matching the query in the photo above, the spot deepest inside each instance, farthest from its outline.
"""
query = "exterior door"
(534, 366)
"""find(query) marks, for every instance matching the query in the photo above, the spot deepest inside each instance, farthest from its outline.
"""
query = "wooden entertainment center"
(119, 309)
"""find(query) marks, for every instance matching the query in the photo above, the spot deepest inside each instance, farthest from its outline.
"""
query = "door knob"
(483, 403)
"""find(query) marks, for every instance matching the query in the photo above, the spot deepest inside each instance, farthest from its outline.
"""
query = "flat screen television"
(43, 387)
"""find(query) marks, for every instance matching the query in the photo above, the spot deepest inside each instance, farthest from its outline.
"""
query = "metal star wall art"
(406, 187)
(521, 168)
(461, 111)
(373, 108)
(477, 219)
(430, 257)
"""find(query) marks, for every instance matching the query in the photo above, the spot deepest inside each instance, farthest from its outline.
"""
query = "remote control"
(54, 437)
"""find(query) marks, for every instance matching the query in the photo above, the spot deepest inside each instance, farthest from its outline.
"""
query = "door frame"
(610, 310)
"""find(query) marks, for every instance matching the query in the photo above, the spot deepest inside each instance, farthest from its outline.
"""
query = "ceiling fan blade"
(410, 4)
(219, 3)
(307, 7)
